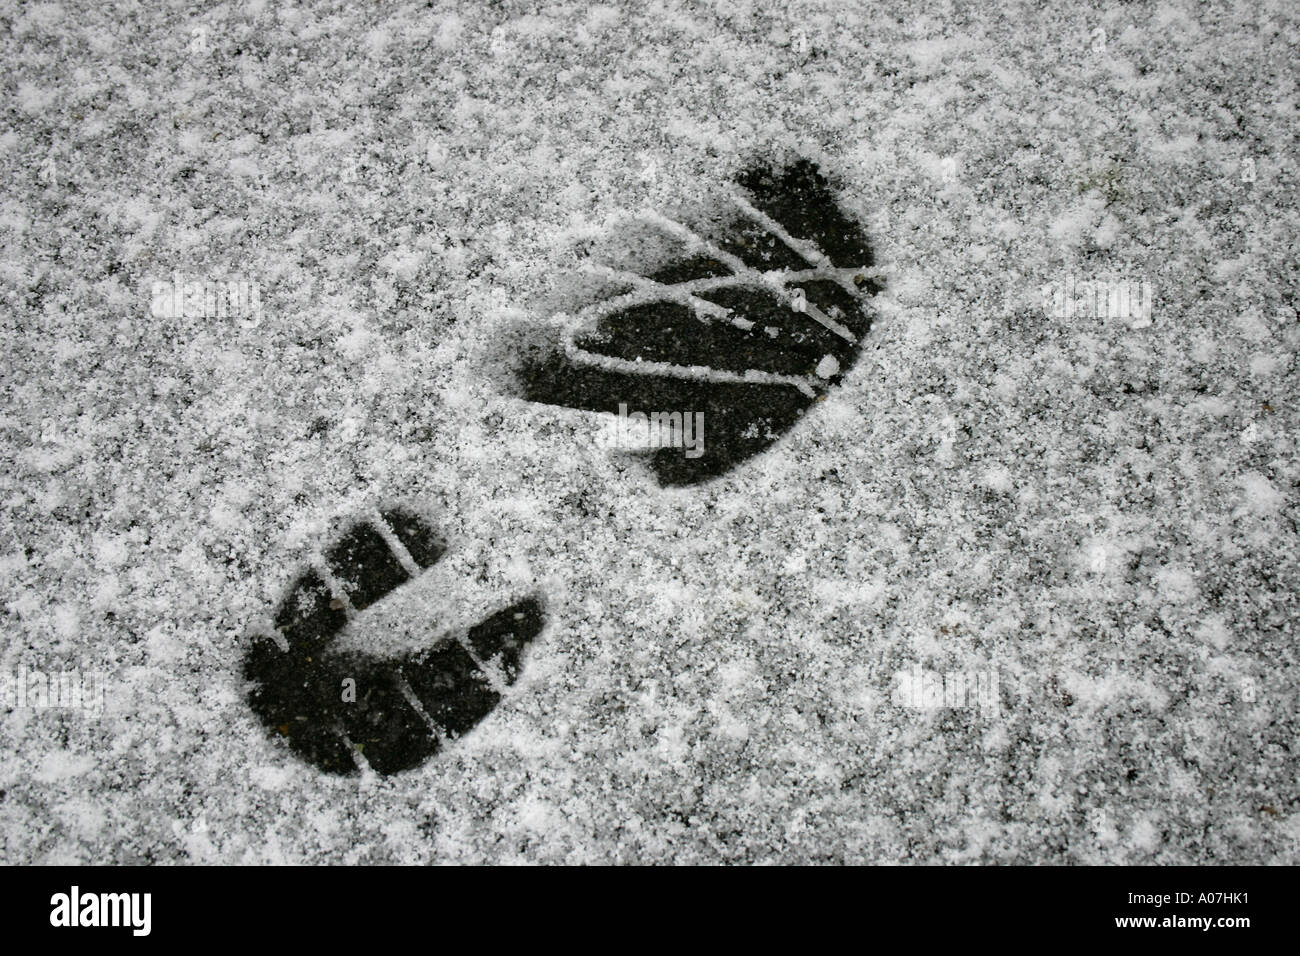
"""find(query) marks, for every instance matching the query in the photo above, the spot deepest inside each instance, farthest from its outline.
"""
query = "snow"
(1071, 505)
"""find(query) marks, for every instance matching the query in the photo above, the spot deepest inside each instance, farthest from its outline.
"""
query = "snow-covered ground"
(1083, 527)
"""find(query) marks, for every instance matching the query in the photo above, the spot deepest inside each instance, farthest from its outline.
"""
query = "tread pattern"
(750, 327)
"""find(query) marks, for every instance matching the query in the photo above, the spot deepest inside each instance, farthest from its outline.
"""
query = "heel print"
(344, 711)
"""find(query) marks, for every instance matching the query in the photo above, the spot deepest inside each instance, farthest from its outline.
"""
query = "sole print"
(752, 318)
(342, 710)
